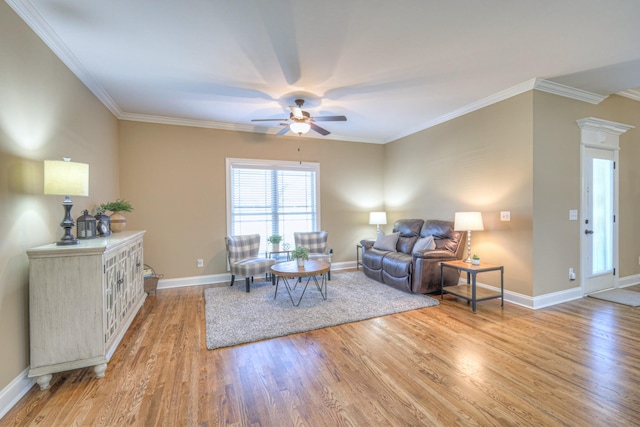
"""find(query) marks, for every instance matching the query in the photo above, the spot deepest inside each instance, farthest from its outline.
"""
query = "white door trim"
(604, 135)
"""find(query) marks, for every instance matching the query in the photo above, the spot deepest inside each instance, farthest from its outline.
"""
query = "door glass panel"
(602, 215)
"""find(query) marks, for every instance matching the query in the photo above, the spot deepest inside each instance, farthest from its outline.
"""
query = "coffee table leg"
(277, 280)
(322, 286)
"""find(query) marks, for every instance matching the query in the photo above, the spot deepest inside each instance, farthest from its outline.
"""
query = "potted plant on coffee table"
(275, 240)
(118, 221)
(300, 254)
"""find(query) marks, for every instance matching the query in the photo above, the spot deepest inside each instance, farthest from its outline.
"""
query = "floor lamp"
(468, 221)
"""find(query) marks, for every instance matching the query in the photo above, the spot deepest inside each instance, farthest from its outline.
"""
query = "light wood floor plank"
(573, 364)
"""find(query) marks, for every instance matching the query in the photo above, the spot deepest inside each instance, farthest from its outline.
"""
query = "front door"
(599, 227)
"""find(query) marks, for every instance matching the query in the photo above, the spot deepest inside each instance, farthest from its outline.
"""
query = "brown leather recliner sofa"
(415, 271)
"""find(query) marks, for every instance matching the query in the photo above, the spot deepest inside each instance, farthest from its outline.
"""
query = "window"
(272, 197)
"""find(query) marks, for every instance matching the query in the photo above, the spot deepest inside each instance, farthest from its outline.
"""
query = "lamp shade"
(300, 127)
(377, 218)
(66, 178)
(468, 221)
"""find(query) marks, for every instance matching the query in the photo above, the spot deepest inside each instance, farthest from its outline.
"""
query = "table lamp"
(377, 218)
(468, 221)
(68, 179)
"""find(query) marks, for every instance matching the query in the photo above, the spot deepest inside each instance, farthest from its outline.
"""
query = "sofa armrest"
(434, 254)
(426, 273)
(366, 244)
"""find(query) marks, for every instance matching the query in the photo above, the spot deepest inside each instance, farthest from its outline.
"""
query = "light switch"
(505, 215)
(573, 215)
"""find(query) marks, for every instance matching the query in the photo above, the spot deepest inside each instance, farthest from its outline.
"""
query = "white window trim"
(271, 164)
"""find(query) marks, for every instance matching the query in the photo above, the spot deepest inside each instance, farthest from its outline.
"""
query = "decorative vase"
(118, 222)
(300, 262)
(275, 247)
(475, 261)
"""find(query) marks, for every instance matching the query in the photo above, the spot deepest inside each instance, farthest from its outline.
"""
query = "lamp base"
(67, 224)
(67, 242)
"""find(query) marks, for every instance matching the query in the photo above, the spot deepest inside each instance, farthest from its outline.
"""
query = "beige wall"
(481, 161)
(556, 190)
(175, 178)
(45, 113)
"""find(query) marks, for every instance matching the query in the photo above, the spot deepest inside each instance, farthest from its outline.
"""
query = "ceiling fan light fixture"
(300, 127)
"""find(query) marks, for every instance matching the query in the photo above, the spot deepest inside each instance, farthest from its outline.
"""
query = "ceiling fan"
(301, 121)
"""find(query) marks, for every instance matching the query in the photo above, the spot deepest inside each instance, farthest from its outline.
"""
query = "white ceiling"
(392, 67)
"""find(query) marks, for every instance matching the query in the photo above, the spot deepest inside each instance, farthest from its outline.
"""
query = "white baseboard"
(14, 391)
(182, 282)
(211, 279)
(538, 302)
(629, 281)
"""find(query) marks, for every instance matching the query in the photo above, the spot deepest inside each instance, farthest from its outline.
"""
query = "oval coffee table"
(311, 270)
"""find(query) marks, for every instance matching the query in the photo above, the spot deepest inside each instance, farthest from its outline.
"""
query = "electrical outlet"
(200, 262)
(505, 215)
(572, 274)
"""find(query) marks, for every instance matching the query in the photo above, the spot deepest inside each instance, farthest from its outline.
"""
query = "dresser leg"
(43, 381)
(100, 370)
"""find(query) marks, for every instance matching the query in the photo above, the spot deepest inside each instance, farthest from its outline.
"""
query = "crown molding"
(474, 106)
(568, 91)
(33, 18)
(631, 94)
(532, 84)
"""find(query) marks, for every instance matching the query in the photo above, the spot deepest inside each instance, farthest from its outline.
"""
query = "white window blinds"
(272, 197)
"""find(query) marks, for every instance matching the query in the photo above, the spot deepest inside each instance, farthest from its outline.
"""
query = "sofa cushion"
(396, 270)
(405, 244)
(386, 242)
(442, 231)
(425, 243)
(373, 258)
(408, 227)
(397, 264)
(438, 229)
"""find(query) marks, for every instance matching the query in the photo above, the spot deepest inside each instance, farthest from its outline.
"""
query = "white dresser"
(82, 299)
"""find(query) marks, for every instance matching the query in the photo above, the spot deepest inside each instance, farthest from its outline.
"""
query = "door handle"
(588, 231)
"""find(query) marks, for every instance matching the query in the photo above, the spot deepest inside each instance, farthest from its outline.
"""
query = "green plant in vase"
(300, 254)
(275, 240)
(475, 259)
(118, 221)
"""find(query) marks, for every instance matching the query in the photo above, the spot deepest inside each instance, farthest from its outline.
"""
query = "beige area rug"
(620, 296)
(236, 317)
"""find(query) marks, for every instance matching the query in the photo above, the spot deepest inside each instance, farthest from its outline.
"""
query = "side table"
(469, 291)
(279, 255)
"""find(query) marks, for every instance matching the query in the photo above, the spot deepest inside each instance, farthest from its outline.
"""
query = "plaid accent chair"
(242, 253)
(316, 241)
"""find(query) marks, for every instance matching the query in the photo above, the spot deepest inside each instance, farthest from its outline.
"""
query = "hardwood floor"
(574, 364)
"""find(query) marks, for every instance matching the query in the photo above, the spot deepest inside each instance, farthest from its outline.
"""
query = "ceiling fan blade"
(318, 129)
(297, 112)
(267, 120)
(330, 119)
(283, 131)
